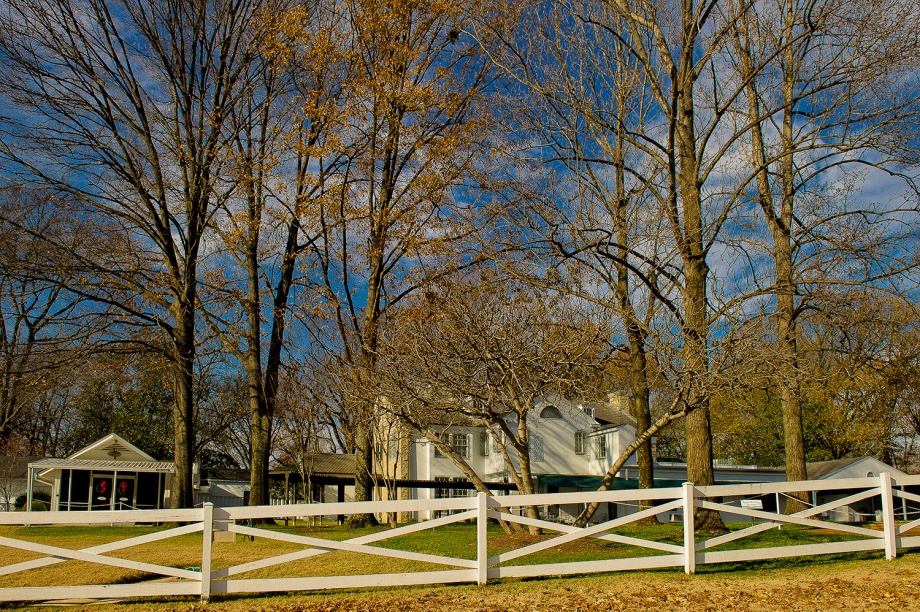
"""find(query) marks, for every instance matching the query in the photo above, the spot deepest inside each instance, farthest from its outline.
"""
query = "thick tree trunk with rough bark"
(635, 335)
(181, 494)
(364, 469)
(695, 297)
(641, 409)
(793, 429)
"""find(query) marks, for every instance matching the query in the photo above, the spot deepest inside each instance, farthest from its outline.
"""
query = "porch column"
(69, 489)
(29, 494)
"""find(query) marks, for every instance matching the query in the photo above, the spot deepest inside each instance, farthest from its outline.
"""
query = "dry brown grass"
(799, 584)
(850, 585)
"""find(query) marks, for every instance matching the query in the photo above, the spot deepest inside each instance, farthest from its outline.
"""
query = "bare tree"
(596, 230)
(45, 329)
(281, 162)
(124, 105)
(411, 136)
(487, 351)
(832, 99)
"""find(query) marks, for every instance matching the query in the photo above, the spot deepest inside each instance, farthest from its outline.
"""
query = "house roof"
(610, 416)
(16, 466)
(99, 464)
(114, 446)
(328, 464)
(819, 470)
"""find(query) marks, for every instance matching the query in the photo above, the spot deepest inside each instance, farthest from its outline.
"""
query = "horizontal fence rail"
(899, 514)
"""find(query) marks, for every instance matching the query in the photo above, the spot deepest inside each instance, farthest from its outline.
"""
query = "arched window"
(550, 412)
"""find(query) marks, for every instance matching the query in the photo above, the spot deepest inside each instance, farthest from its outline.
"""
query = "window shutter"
(536, 448)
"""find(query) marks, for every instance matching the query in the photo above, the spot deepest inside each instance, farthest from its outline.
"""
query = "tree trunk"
(793, 430)
(641, 408)
(260, 420)
(698, 427)
(364, 466)
(526, 481)
(263, 392)
(181, 493)
(260, 427)
(696, 270)
(635, 335)
(780, 225)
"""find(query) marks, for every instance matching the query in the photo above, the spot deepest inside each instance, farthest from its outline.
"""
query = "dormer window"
(550, 412)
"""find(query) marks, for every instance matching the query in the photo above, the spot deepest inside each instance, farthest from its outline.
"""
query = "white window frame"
(600, 447)
(460, 442)
(581, 443)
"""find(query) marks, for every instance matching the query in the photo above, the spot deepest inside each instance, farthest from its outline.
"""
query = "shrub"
(38, 497)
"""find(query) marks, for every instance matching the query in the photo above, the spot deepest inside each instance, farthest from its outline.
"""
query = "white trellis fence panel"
(689, 553)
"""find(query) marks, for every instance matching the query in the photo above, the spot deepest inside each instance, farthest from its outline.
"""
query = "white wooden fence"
(207, 580)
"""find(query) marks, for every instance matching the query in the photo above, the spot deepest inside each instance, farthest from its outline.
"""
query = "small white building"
(109, 474)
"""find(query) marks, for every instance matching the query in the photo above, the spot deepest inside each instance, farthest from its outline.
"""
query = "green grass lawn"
(455, 540)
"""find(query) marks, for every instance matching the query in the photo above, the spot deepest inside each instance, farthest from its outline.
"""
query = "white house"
(573, 445)
(109, 474)
(568, 441)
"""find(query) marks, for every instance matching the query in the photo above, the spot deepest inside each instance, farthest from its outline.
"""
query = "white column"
(69, 489)
(29, 496)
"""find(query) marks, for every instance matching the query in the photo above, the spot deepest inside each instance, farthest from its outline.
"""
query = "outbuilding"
(109, 474)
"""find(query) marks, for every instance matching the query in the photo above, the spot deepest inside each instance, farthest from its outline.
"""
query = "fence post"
(207, 536)
(689, 529)
(888, 526)
(482, 537)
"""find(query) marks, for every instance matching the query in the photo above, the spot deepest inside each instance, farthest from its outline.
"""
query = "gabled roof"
(820, 470)
(609, 416)
(111, 452)
(113, 446)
